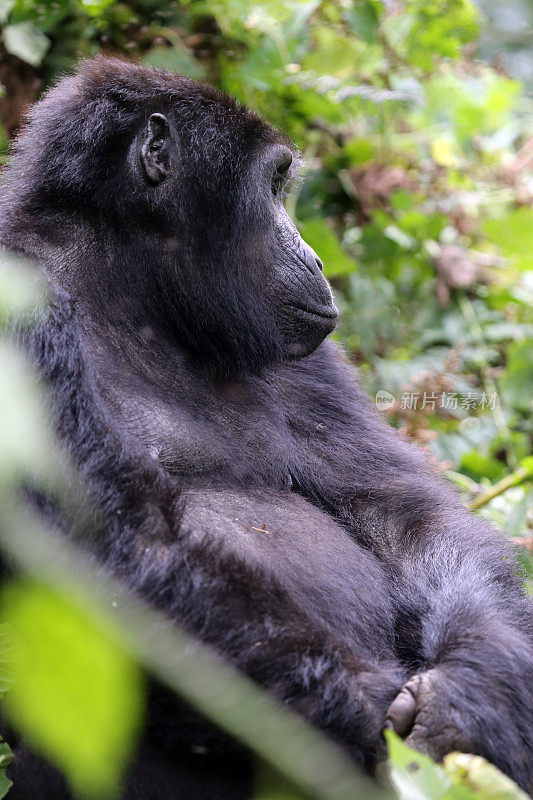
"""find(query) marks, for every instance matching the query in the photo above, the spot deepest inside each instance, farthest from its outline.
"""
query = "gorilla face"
(302, 300)
(262, 288)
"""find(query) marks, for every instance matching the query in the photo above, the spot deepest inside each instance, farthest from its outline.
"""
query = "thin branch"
(514, 479)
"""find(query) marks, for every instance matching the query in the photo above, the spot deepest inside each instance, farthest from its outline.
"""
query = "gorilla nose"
(310, 259)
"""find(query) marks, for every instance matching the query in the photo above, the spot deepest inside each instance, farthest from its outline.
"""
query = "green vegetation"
(417, 194)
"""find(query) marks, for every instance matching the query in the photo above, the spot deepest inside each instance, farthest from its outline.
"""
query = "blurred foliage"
(462, 777)
(7, 657)
(76, 695)
(417, 195)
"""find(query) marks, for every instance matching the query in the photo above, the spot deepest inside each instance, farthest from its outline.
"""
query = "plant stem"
(515, 479)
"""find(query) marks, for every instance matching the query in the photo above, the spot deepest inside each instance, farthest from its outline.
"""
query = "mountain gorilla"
(248, 487)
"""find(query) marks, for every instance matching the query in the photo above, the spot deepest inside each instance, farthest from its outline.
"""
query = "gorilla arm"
(464, 625)
(473, 690)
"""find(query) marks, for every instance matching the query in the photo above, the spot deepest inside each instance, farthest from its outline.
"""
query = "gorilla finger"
(401, 714)
(419, 740)
(429, 743)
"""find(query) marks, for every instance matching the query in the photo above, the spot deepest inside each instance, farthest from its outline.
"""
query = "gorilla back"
(248, 487)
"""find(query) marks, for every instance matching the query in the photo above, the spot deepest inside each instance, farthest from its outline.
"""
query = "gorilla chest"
(230, 433)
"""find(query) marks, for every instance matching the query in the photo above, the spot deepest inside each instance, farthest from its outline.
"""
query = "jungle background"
(415, 122)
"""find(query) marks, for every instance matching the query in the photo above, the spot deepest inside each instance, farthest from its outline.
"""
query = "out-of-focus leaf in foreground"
(77, 696)
(24, 437)
(481, 777)
(6, 757)
(462, 777)
(270, 785)
(416, 777)
(22, 290)
(8, 659)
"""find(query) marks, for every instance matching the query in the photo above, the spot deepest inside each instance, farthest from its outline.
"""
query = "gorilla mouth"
(329, 314)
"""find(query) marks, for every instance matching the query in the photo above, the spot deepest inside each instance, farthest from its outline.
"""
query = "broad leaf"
(26, 41)
(77, 696)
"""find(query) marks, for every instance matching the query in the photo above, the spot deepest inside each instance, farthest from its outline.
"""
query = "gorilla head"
(165, 202)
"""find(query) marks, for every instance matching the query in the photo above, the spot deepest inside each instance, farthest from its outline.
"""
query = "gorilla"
(247, 486)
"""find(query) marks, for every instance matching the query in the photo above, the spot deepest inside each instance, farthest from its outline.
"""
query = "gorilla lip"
(316, 312)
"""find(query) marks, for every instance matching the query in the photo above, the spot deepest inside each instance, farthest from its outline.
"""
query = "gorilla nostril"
(319, 264)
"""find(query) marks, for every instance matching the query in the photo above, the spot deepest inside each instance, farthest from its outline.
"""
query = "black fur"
(248, 486)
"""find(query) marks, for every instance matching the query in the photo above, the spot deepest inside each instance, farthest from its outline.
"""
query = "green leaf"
(359, 151)
(5, 8)
(401, 238)
(436, 28)
(263, 66)
(478, 106)
(516, 383)
(26, 41)
(336, 54)
(463, 777)
(77, 696)
(5, 784)
(479, 465)
(364, 18)
(9, 657)
(475, 773)
(6, 757)
(402, 201)
(527, 463)
(22, 290)
(95, 7)
(323, 240)
(45, 14)
(514, 235)
(413, 775)
(270, 785)
(25, 440)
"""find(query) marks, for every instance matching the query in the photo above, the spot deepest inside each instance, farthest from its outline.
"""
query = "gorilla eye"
(280, 173)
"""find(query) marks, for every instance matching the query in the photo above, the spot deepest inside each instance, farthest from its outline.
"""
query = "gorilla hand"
(428, 714)
(462, 707)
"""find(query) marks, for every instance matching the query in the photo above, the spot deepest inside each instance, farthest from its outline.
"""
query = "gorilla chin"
(308, 328)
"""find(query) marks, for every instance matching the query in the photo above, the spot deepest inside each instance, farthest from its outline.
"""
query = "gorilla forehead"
(80, 129)
(131, 92)
(202, 111)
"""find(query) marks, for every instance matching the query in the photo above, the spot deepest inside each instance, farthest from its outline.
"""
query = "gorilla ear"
(155, 149)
